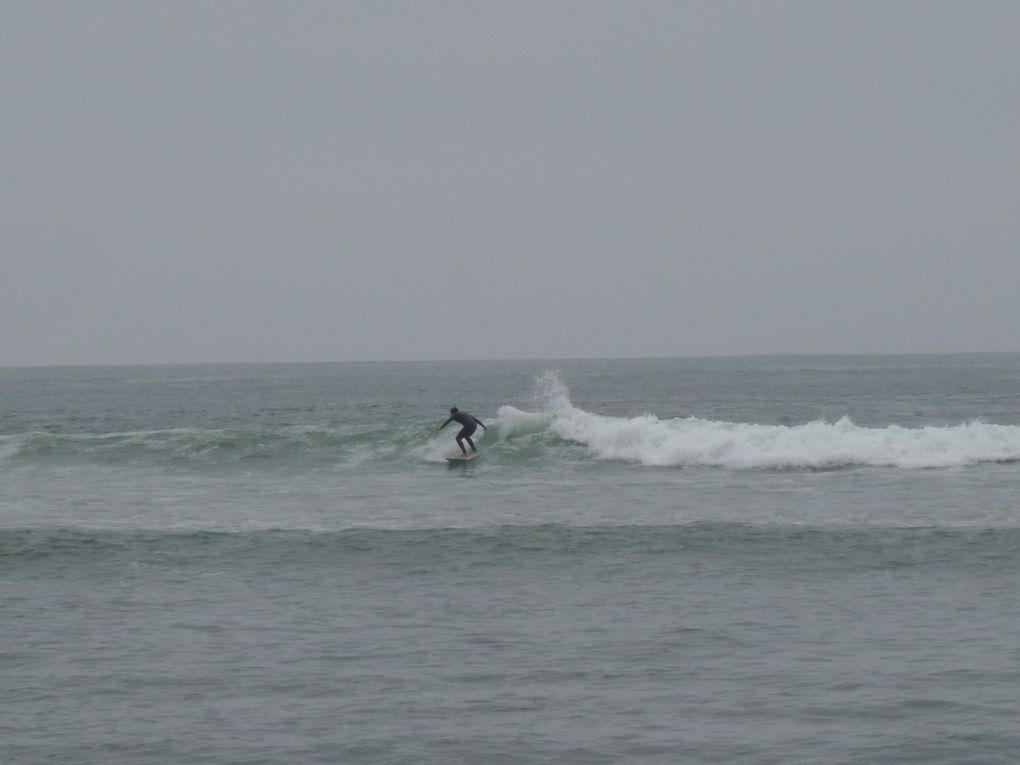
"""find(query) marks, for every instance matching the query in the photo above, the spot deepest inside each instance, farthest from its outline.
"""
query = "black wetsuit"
(470, 425)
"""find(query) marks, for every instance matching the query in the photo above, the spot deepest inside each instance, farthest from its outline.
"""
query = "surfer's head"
(454, 410)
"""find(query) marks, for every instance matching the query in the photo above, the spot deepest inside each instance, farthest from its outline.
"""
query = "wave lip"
(648, 440)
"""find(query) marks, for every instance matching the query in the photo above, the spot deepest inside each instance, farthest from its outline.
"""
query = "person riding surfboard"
(469, 422)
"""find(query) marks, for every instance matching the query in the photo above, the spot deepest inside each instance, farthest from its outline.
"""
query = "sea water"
(753, 560)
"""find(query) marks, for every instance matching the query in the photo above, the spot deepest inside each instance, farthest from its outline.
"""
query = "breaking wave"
(552, 430)
(691, 441)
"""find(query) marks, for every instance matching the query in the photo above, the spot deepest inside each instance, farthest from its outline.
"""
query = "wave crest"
(695, 442)
(691, 441)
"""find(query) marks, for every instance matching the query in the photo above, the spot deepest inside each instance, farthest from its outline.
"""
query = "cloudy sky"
(303, 181)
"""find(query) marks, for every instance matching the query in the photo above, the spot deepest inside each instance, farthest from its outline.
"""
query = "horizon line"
(261, 362)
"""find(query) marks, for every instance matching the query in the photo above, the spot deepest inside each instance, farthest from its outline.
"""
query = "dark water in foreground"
(808, 560)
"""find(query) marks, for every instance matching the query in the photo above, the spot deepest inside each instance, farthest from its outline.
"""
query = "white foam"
(512, 422)
(647, 440)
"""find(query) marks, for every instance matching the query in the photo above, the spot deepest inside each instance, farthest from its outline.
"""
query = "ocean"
(721, 560)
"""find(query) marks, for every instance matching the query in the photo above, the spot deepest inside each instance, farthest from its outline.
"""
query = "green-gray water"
(773, 560)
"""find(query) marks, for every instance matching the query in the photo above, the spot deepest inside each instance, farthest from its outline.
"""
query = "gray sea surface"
(742, 560)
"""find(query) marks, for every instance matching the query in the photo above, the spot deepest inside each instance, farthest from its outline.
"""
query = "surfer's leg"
(467, 432)
(465, 435)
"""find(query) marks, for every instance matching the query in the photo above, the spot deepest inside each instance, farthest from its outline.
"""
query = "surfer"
(469, 422)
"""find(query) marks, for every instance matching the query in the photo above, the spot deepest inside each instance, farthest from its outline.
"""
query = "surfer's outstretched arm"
(446, 423)
(479, 422)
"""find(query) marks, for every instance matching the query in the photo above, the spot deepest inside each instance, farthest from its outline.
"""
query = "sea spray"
(550, 393)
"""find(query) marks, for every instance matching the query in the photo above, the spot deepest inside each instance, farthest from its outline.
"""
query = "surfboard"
(460, 459)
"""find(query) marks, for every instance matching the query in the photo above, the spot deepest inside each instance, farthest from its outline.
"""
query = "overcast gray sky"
(299, 181)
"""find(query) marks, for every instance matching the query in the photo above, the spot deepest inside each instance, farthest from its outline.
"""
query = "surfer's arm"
(446, 423)
(479, 422)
